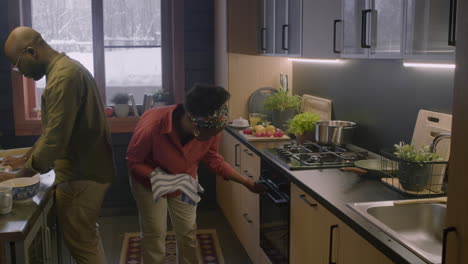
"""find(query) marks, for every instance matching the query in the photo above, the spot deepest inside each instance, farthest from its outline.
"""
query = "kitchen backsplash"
(381, 96)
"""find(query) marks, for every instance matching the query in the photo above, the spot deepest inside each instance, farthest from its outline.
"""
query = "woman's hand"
(256, 187)
(14, 162)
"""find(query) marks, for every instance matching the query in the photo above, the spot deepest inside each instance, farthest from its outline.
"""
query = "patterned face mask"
(217, 120)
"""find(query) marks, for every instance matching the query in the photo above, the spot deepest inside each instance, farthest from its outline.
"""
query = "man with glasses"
(75, 140)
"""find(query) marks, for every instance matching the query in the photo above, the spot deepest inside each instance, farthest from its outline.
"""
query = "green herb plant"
(302, 123)
(120, 98)
(411, 153)
(282, 101)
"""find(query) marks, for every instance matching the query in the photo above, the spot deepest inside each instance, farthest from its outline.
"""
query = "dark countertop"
(16, 225)
(333, 189)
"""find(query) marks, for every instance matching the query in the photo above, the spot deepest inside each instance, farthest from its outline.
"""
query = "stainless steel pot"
(334, 132)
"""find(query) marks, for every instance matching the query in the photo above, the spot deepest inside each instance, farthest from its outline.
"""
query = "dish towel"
(163, 183)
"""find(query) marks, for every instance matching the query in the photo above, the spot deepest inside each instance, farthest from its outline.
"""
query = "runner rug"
(208, 246)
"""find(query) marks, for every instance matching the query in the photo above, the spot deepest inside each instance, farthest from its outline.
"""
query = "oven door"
(274, 221)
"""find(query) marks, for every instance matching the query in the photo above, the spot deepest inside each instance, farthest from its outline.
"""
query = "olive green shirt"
(75, 140)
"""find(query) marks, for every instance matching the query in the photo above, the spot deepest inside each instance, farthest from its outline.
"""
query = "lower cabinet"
(317, 236)
(239, 205)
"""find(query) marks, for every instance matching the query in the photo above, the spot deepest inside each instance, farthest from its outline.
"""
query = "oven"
(274, 214)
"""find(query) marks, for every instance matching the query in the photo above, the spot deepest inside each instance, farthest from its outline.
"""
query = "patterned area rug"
(208, 246)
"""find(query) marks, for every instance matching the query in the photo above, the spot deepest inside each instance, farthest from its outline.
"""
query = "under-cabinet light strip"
(316, 60)
(429, 65)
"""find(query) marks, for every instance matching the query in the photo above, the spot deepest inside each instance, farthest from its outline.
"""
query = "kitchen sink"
(417, 226)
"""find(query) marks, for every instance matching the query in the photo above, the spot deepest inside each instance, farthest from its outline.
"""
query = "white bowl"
(23, 188)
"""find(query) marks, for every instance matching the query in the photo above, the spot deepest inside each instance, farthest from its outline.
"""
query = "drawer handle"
(330, 248)
(246, 173)
(303, 198)
(444, 243)
(246, 218)
(248, 153)
(235, 155)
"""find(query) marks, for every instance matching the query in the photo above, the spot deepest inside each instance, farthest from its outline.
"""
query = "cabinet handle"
(330, 248)
(303, 197)
(48, 250)
(235, 156)
(335, 22)
(246, 218)
(444, 243)
(285, 37)
(248, 153)
(246, 173)
(452, 23)
(364, 28)
(263, 38)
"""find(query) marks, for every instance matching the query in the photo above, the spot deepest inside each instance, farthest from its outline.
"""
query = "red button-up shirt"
(156, 144)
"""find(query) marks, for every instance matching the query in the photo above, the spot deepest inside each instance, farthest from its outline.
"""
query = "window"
(118, 41)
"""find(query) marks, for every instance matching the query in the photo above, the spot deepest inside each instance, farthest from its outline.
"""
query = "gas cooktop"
(313, 156)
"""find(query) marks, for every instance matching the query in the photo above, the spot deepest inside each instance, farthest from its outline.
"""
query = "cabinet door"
(427, 30)
(312, 229)
(318, 40)
(230, 150)
(386, 29)
(354, 37)
(266, 27)
(353, 249)
(242, 26)
(288, 20)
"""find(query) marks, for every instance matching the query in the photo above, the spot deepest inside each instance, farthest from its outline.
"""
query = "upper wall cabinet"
(242, 36)
(322, 29)
(279, 27)
(430, 30)
(372, 28)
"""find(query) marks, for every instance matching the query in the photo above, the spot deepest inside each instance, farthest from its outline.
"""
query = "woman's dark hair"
(205, 99)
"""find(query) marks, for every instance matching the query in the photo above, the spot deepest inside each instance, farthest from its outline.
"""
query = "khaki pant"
(153, 223)
(78, 205)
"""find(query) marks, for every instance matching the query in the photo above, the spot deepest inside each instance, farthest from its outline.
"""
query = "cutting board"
(320, 106)
(428, 125)
(253, 138)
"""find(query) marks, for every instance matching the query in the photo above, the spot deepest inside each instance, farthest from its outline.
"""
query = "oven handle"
(271, 188)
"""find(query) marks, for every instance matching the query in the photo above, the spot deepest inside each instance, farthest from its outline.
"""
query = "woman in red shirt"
(163, 155)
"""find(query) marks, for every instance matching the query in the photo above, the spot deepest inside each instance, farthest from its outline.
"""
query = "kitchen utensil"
(369, 166)
(415, 201)
(6, 199)
(23, 188)
(284, 81)
(317, 105)
(134, 107)
(240, 123)
(428, 125)
(334, 132)
(256, 103)
(253, 138)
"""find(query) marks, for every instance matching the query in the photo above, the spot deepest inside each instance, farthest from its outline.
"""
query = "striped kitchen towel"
(163, 183)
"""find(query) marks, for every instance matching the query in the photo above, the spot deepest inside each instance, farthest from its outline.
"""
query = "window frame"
(172, 50)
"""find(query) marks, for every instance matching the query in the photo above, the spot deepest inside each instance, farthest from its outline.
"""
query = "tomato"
(247, 131)
(278, 134)
(108, 111)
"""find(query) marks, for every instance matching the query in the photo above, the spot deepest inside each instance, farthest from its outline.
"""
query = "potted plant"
(161, 98)
(121, 107)
(284, 107)
(414, 166)
(303, 126)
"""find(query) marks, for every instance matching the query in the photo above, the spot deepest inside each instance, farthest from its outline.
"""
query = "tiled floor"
(113, 228)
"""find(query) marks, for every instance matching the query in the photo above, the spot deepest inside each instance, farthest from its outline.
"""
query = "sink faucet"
(438, 138)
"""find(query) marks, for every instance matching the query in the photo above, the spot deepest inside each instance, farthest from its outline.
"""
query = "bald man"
(75, 140)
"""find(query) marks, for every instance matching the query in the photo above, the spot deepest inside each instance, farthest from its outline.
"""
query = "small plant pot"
(302, 138)
(280, 118)
(121, 110)
(414, 176)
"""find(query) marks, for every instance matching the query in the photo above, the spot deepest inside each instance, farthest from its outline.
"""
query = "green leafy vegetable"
(410, 153)
(282, 101)
(302, 123)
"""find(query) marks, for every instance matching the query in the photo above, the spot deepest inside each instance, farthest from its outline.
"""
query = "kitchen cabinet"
(429, 31)
(318, 38)
(239, 205)
(317, 235)
(372, 28)
(242, 18)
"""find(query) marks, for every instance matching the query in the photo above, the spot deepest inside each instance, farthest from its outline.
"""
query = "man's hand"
(6, 176)
(14, 162)
(256, 187)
